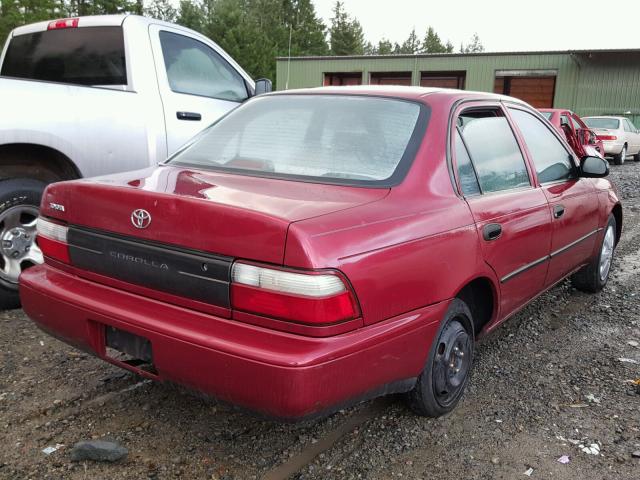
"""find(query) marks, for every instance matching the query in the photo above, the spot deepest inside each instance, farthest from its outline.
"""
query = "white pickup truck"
(89, 96)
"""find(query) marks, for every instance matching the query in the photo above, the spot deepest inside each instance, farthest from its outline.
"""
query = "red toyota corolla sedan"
(314, 248)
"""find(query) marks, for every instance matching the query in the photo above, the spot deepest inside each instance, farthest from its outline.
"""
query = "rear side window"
(493, 149)
(92, 56)
(196, 69)
(552, 161)
(468, 179)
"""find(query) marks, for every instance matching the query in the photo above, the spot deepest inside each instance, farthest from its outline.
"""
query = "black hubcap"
(451, 362)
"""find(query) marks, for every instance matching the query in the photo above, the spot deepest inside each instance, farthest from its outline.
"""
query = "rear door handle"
(192, 116)
(491, 231)
(558, 211)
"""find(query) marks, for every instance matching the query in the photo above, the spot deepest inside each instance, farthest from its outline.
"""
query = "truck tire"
(19, 206)
(593, 277)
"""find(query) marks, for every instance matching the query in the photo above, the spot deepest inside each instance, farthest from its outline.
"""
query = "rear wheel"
(593, 277)
(636, 158)
(19, 203)
(621, 157)
(444, 378)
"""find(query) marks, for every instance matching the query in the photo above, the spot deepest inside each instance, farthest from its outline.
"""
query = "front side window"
(90, 56)
(552, 161)
(576, 124)
(493, 149)
(321, 138)
(196, 69)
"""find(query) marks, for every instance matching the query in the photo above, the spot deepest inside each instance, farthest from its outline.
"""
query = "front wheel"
(444, 378)
(19, 203)
(593, 277)
(621, 157)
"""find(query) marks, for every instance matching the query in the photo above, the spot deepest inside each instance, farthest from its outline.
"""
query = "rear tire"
(621, 157)
(593, 277)
(444, 378)
(636, 158)
(19, 204)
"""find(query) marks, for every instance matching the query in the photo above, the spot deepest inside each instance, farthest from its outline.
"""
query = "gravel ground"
(548, 381)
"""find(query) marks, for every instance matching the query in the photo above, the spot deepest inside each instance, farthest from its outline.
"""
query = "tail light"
(63, 23)
(606, 137)
(52, 239)
(313, 298)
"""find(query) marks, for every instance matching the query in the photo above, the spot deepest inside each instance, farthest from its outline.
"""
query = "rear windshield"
(608, 123)
(82, 56)
(322, 138)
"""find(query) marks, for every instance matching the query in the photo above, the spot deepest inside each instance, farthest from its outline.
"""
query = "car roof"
(606, 116)
(395, 91)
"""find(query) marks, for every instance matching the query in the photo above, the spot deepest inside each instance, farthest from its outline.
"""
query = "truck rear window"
(82, 56)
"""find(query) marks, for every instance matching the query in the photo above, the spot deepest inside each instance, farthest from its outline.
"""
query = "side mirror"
(594, 167)
(263, 85)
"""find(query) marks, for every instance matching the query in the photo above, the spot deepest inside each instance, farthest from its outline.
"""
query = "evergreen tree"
(449, 47)
(161, 10)
(385, 47)
(411, 45)
(475, 46)
(432, 42)
(346, 33)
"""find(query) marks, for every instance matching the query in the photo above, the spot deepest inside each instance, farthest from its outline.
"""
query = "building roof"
(480, 54)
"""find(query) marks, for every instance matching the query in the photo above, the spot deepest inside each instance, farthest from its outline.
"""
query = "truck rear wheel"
(19, 206)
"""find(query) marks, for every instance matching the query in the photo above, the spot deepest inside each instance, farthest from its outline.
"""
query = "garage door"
(443, 79)
(391, 78)
(536, 90)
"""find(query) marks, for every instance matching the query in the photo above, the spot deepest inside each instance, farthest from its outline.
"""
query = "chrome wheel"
(18, 249)
(606, 253)
(451, 363)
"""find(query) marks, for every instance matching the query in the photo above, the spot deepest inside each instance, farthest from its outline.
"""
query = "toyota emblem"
(140, 218)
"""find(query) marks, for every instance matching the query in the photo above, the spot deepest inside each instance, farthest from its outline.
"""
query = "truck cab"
(91, 96)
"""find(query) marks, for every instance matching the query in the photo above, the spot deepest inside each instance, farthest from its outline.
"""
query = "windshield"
(608, 123)
(322, 138)
(547, 115)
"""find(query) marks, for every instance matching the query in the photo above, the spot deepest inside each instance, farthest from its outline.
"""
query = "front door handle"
(558, 211)
(192, 116)
(491, 231)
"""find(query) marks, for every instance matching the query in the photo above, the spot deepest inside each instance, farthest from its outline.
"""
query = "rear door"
(198, 82)
(512, 217)
(633, 137)
(572, 200)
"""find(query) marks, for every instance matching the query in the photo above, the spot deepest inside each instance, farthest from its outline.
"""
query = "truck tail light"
(52, 239)
(314, 298)
(606, 137)
(63, 23)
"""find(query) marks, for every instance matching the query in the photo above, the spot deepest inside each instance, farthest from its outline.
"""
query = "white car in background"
(620, 137)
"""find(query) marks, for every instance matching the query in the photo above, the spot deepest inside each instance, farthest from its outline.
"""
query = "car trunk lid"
(178, 230)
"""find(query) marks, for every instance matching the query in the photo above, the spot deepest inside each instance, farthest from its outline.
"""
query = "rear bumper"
(612, 148)
(278, 374)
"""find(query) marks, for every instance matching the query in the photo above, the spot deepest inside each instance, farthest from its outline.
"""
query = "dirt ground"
(551, 379)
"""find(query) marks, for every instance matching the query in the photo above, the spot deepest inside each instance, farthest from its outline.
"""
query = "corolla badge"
(140, 218)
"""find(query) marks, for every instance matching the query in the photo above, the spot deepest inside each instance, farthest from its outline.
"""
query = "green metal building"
(589, 82)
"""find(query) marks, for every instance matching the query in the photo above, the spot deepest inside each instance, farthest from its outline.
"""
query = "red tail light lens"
(52, 239)
(606, 137)
(63, 23)
(315, 298)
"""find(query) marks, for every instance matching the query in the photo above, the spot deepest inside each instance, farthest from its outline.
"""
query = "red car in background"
(578, 135)
(314, 248)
